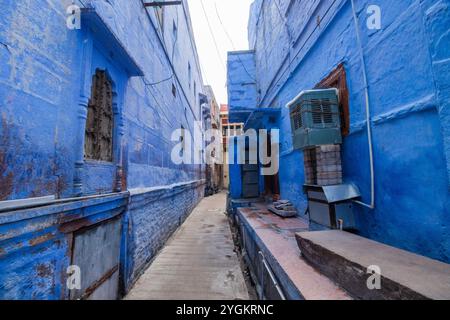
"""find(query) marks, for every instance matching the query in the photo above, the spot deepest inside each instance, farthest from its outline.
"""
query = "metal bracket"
(162, 3)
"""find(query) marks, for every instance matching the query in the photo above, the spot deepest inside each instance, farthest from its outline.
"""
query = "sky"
(212, 50)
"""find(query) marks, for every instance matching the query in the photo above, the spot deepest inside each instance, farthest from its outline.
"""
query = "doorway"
(272, 182)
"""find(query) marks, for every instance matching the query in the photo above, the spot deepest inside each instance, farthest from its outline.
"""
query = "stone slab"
(345, 258)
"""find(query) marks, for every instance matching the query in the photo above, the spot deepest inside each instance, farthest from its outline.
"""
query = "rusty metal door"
(96, 251)
(250, 181)
(250, 168)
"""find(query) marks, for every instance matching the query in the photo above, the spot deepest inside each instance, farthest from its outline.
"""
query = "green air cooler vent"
(315, 119)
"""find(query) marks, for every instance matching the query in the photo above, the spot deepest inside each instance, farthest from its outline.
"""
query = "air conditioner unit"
(315, 118)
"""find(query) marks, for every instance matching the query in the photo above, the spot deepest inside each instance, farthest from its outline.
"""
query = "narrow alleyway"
(198, 262)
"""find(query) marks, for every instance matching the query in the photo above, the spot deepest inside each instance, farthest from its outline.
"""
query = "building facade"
(228, 130)
(394, 53)
(91, 95)
(214, 164)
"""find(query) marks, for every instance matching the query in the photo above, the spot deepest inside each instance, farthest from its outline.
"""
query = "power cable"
(212, 34)
(158, 82)
(173, 54)
(232, 43)
(194, 47)
(166, 54)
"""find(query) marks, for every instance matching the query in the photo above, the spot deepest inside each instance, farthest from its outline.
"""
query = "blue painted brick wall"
(153, 217)
(41, 70)
(42, 67)
(407, 65)
(241, 83)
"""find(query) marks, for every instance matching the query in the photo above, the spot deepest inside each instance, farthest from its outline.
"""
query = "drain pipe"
(368, 118)
(272, 277)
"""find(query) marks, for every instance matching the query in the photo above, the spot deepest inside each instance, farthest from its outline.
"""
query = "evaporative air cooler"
(316, 130)
(315, 119)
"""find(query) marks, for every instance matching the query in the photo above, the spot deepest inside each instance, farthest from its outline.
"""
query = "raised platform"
(267, 235)
(345, 258)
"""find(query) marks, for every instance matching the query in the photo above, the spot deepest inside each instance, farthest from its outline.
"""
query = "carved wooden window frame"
(99, 132)
(338, 79)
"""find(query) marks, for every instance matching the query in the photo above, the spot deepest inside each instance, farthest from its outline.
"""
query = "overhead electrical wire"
(173, 53)
(212, 34)
(170, 62)
(158, 82)
(164, 45)
(232, 43)
(194, 47)
(147, 84)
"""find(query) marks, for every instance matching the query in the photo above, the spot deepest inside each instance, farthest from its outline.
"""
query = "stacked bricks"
(310, 162)
(323, 166)
(329, 165)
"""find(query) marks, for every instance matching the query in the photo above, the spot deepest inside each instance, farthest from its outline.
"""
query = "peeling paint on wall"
(42, 96)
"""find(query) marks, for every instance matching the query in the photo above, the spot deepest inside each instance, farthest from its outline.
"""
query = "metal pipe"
(368, 118)
(47, 201)
(272, 276)
(162, 3)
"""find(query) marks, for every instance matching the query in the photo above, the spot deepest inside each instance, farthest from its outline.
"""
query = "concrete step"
(345, 259)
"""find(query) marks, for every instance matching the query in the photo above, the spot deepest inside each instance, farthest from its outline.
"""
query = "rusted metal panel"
(37, 246)
(106, 287)
(96, 251)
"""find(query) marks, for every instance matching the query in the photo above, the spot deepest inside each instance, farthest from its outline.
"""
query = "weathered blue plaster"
(242, 95)
(46, 73)
(235, 172)
(153, 216)
(407, 66)
(45, 84)
(35, 244)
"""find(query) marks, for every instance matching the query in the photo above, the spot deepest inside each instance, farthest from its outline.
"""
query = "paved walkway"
(198, 262)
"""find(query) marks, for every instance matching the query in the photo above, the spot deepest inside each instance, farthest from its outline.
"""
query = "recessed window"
(189, 74)
(174, 90)
(99, 124)
(174, 30)
(183, 141)
(159, 10)
(195, 90)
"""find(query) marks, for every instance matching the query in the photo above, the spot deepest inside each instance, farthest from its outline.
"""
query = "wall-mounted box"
(331, 206)
(315, 118)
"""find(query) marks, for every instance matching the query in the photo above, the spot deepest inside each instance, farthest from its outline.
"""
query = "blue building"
(88, 108)
(402, 64)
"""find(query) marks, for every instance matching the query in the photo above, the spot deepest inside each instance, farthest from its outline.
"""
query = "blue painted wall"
(45, 83)
(241, 83)
(235, 172)
(407, 64)
(153, 217)
(42, 69)
(36, 245)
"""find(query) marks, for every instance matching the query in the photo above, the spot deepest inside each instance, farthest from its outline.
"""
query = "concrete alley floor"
(198, 262)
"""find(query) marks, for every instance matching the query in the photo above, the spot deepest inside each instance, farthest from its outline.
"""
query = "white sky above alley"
(234, 16)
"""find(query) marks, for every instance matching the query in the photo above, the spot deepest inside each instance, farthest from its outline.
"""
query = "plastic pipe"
(368, 118)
